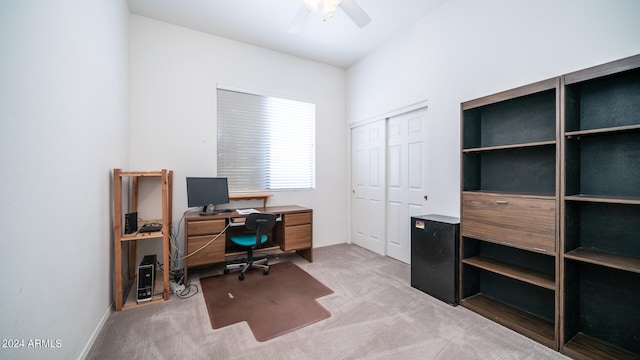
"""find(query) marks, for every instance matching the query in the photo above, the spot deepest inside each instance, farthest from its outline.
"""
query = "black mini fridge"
(434, 256)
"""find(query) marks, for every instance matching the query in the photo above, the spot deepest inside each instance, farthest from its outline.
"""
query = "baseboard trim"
(95, 333)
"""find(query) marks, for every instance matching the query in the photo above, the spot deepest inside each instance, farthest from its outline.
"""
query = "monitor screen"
(207, 191)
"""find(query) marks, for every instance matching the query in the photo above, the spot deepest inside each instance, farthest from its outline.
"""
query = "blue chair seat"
(261, 223)
(247, 239)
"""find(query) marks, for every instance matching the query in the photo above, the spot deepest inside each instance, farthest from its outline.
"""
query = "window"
(264, 142)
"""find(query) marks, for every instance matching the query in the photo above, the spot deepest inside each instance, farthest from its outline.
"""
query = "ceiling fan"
(328, 8)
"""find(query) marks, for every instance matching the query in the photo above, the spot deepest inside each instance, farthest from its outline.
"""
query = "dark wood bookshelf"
(533, 277)
(605, 259)
(550, 210)
(583, 346)
(511, 146)
(604, 199)
(600, 131)
(509, 205)
(513, 318)
(601, 212)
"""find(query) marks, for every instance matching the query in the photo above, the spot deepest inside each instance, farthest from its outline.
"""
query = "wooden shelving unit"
(601, 212)
(121, 239)
(513, 271)
(584, 346)
(513, 318)
(550, 205)
(509, 238)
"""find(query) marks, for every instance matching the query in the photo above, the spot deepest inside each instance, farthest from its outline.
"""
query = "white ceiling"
(266, 23)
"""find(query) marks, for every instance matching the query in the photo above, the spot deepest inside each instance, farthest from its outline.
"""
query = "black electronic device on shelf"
(131, 223)
(150, 228)
(207, 192)
(146, 278)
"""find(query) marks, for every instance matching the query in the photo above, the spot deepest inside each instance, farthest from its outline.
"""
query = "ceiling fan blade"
(355, 12)
(300, 20)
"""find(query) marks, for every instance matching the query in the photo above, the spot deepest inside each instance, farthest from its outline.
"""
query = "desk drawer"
(297, 219)
(297, 237)
(210, 254)
(521, 221)
(205, 227)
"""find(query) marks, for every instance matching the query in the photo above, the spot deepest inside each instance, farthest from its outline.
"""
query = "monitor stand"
(208, 210)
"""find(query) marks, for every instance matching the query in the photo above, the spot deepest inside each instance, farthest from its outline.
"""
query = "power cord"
(174, 237)
(186, 292)
(205, 245)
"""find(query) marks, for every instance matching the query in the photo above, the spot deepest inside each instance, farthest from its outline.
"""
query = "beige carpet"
(375, 314)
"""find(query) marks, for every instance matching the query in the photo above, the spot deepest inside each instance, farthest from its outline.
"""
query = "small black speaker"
(131, 223)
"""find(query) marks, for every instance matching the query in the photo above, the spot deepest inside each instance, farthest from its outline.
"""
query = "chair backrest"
(261, 223)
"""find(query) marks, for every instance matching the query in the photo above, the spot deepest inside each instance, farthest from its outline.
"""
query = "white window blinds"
(264, 142)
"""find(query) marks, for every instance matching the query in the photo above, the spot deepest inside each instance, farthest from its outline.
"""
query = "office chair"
(261, 223)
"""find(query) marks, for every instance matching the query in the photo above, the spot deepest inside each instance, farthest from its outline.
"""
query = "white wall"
(173, 77)
(63, 121)
(467, 49)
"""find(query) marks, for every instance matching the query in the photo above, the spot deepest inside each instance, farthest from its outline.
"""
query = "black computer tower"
(146, 278)
(434, 256)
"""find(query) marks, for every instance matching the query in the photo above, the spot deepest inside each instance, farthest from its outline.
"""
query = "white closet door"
(368, 218)
(406, 179)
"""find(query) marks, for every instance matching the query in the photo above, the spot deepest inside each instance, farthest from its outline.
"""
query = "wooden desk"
(293, 232)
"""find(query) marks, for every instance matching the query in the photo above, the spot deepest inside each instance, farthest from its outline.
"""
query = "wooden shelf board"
(517, 320)
(140, 173)
(549, 196)
(524, 90)
(610, 68)
(131, 303)
(128, 305)
(142, 236)
(610, 130)
(512, 146)
(513, 271)
(605, 259)
(251, 196)
(628, 200)
(240, 196)
(583, 346)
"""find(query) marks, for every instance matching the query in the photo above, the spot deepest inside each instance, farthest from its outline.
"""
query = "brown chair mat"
(275, 304)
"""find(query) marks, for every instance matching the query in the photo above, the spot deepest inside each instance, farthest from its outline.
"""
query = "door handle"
(502, 202)
(426, 197)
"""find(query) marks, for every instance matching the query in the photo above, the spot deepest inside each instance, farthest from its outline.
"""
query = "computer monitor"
(207, 192)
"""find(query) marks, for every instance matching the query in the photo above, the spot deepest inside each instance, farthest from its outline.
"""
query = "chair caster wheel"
(225, 271)
(266, 272)
(241, 277)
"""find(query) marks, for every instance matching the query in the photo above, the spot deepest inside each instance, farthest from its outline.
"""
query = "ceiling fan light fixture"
(312, 5)
(355, 12)
(328, 9)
